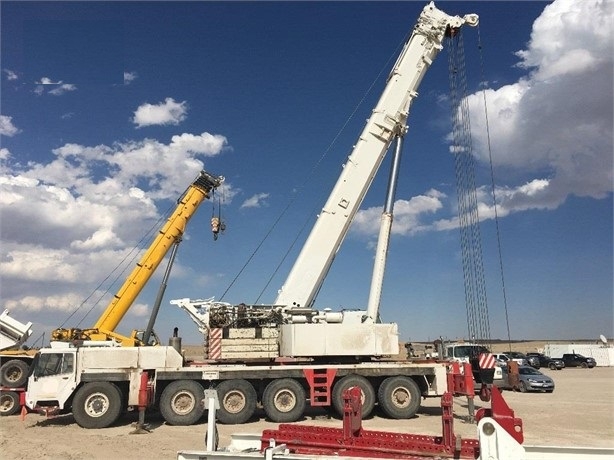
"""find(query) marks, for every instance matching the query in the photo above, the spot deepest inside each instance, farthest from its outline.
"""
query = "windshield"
(53, 364)
(515, 354)
(467, 351)
(529, 371)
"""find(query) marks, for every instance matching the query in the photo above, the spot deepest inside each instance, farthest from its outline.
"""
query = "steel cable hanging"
(478, 325)
(494, 197)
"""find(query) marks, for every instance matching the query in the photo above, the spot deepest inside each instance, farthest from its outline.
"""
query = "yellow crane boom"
(172, 231)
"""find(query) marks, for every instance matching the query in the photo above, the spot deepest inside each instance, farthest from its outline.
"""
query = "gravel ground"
(580, 412)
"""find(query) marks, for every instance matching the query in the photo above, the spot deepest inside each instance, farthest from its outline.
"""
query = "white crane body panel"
(323, 339)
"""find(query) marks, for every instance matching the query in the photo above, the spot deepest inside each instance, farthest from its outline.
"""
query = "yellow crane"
(169, 235)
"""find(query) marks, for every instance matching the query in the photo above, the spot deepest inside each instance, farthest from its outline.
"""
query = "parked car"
(577, 360)
(533, 380)
(503, 358)
(518, 357)
(529, 379)
(547, 361)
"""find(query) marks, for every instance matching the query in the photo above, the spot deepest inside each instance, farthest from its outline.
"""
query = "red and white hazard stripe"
(215, 343)
(487, 361)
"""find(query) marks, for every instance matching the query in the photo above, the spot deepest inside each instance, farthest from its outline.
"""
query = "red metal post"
(352, 414)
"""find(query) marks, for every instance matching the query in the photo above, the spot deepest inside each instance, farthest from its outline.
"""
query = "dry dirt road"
(580, 412)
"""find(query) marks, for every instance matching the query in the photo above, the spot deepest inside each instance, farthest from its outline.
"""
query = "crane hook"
(217, 226)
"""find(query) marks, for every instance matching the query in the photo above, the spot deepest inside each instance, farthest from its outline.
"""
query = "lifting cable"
(464, 166)
(494, 197)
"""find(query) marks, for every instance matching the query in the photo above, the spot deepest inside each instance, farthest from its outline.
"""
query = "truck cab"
(463, 351)
(53, 378)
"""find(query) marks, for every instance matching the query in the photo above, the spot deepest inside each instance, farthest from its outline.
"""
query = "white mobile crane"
(303, 331)
(279, 355)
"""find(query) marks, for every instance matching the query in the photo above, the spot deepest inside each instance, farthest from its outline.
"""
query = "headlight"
(533, 380)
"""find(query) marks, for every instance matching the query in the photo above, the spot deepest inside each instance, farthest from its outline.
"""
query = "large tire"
(237, 401)
(399, 397)
(284, 400)
(181, 403)
(552, 366)
(9, 403)
(97, 405)
(347, 382)
(14, 373)
(584, 365)
(522, 386)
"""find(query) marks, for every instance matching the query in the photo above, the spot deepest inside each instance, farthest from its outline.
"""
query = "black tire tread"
(105, 420)
(166, 409)
(384, 394)
(11, 398)
(21, 366)
(269, 407)
(349, 381)
(251, 398)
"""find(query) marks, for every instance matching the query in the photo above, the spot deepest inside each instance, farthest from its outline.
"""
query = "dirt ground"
(580, 412)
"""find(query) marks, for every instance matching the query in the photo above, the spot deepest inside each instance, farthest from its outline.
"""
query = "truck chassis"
(99, 383)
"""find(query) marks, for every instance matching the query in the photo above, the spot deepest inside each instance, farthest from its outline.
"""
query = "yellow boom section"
(173, 230)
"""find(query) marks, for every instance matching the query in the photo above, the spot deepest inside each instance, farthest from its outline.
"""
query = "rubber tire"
(407, 387)
(8, 369)
(522, 386)
(584, 365)
(552, 366)
(293, 392)
(191, 393)
(241, 392)
(9, 403)
(109, 416)
(349, 381)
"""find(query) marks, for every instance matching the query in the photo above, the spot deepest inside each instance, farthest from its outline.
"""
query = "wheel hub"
(234, 402)
(285, 401)
(183, 403)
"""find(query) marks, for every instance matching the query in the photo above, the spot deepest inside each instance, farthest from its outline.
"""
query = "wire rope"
(493, 190)
(478, 325)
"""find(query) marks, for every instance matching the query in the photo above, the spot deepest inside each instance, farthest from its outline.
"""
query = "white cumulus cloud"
(92, 204)
(59, 87)
(168, 112)
(409, 215)
(7, 128)
(63, 88)
(129, 77)
(554, 126)
(10, 75)
(256, 201)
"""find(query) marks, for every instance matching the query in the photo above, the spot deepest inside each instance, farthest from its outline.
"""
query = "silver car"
(530, 379)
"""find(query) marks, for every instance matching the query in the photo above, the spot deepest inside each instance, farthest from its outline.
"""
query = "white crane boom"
(387, 121)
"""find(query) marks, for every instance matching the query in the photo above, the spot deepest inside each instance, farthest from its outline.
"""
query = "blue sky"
(110, 109)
